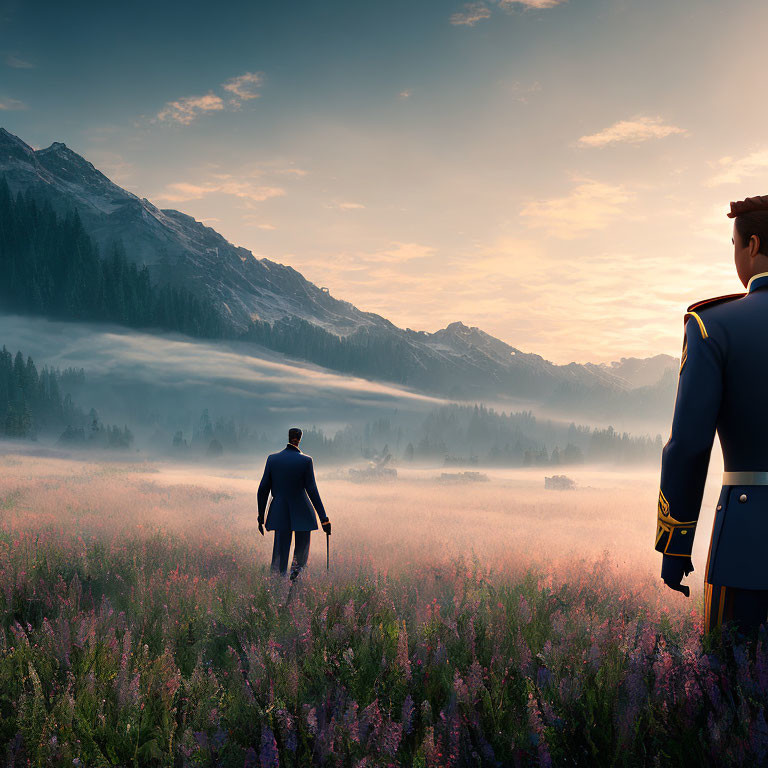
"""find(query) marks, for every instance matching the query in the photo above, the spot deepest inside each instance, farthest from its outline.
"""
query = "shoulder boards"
(703, 304)
(716, 300)
(696, 317)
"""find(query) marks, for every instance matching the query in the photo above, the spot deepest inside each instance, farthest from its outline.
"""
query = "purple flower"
(312, 721)
(537, 732)
(370, 722)
(543, 678)
(406, 714)
(390, 738)
(219, 738)
(758, 737)
(201, 737)
(268, 755)
(250, 758)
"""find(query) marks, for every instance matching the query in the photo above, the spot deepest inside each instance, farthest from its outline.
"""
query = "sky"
(555, 172)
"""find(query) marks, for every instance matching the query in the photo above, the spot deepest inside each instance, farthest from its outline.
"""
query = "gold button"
(743, 497)
(719, 507)
(683, 531)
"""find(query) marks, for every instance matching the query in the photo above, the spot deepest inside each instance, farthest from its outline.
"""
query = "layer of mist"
(185, 396)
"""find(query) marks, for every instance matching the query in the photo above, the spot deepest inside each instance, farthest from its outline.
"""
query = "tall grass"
(138, 627)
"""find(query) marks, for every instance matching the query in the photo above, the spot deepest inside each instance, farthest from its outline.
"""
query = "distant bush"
(559, 483)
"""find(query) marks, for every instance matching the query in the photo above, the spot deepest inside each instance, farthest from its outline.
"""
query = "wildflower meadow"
(493, 624)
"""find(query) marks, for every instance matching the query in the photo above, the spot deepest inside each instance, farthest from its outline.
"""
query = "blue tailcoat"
(290, 476)
(723, 388)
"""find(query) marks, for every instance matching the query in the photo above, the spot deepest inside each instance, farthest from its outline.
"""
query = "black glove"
(326, 526)
(261, 525)
(673, 569)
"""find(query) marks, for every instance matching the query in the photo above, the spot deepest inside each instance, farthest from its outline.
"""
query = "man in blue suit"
(722, 386)
(290, 477)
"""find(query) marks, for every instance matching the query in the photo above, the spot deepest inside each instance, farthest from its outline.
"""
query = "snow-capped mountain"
(175, 246)
(458, 360)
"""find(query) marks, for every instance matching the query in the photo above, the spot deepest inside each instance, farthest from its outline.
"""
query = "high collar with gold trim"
(759, 280)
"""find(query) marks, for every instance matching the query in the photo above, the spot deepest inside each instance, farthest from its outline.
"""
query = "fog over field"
(449, 603)
(424, 518)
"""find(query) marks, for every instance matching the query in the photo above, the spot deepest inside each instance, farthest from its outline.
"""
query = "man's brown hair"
(751, 216)
(753, 223)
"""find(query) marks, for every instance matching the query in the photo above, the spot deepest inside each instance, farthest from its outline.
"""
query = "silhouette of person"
(290, 477)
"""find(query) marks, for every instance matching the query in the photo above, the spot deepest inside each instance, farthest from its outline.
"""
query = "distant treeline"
(51, 266)
(31, 402)
(478, 434)
(448, 435)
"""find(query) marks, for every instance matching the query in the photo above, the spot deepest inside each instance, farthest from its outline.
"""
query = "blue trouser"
(281, 549)
(746, 608)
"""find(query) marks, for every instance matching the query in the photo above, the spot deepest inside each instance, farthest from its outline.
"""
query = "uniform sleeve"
(685, 458)
(312, 492)
(265, 486)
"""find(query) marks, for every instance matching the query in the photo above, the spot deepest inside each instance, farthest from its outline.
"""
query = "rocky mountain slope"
(458, 360)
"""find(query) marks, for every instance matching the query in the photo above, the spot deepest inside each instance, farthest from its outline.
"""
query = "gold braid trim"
(702, 327)
(667, 524)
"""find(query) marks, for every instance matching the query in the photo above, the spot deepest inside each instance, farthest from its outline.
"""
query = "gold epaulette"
(692, 312)
(716, 300)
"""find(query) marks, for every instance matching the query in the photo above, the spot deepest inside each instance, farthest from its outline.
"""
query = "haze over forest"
(171, 327)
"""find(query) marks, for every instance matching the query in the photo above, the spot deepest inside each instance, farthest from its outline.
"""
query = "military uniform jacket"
(723, 388)
(290, 476)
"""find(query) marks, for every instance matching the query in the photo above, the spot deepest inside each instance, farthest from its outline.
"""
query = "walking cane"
(327, 550)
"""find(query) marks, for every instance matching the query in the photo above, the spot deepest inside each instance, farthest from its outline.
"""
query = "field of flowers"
(501, 625)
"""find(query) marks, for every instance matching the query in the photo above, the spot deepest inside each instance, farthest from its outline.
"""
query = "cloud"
(520, 91)
(591, 205)
(185, 110)
(244, 86)
(17, 63)
(406, 94)
(735, 170)
(11, 104)
(350, 206)
(633, 131)
(181, 191)
(507, 4)
(294, 171)
(256, 220)
(472, 13)
(400, 253)
(378, 267)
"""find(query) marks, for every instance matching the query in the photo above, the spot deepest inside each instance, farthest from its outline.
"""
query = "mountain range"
(253, 293)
